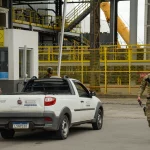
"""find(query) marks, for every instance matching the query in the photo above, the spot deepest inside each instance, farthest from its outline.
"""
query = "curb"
(119, 96)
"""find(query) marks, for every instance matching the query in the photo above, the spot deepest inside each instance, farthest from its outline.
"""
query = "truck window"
(49, 86)
(82, 91)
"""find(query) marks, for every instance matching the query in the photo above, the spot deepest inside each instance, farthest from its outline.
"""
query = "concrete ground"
(125, 127)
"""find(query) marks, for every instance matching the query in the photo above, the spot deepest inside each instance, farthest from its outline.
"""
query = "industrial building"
(33, 33)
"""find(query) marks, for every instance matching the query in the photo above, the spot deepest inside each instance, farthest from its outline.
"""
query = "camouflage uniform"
(146, 83)
(47, 76)
(49, 72)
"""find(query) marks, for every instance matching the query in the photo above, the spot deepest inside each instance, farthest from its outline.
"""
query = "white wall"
(19, 38)
(85, 25)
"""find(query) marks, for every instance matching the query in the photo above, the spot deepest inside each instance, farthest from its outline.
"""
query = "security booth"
(19, 60)
(3, 63)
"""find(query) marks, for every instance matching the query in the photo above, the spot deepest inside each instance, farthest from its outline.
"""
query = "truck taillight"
(48, 101)
(48, 119)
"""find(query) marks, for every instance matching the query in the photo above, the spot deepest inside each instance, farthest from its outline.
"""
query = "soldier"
(145, 83)
(49, 72)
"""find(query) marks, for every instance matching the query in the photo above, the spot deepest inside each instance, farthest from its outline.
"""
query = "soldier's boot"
(149, 123)
(144, 109)
(148, 110)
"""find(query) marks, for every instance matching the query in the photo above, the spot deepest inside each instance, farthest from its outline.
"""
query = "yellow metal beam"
(122, 29)
(1, 38)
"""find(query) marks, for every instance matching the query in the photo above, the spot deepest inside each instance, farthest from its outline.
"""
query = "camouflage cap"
(50, 70)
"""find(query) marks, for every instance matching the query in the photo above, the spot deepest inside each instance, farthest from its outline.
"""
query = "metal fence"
(121, 69)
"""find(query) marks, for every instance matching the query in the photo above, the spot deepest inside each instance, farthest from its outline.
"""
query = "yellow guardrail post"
(1, 38)
(129, 59)
(118, 81)
(48, 53)
(105, 59)
(52, 51)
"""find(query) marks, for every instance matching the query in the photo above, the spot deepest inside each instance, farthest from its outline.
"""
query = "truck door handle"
(82, 101)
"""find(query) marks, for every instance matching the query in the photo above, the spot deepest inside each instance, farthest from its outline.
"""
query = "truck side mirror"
(92, 93)
(24, 83)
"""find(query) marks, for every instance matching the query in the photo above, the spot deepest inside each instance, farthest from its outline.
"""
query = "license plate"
(20, 125)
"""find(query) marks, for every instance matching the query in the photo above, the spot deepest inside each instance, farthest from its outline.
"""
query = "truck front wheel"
(7, 134)
(99, 121)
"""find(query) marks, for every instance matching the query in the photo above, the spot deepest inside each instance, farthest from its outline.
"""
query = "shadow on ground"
(42, 136)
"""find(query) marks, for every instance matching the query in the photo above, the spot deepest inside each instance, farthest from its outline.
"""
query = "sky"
(123, 12)
(124, 9)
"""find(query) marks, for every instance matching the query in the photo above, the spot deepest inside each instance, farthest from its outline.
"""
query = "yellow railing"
(1, 38)
(120, 69)
(30, 17)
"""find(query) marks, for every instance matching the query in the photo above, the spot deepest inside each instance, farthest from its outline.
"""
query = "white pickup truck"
(49, 104)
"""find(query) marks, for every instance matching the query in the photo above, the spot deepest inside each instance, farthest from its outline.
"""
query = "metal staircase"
(77, 15)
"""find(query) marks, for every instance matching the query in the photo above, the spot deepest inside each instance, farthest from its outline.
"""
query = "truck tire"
(7, 134)
(99, 121)
(63, 131)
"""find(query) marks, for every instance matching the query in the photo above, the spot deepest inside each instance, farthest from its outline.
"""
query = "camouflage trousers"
(148, 110)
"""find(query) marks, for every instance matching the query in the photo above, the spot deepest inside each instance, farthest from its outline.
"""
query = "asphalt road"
(125, 128)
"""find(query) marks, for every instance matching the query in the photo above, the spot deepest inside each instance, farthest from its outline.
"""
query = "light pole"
(61, 39)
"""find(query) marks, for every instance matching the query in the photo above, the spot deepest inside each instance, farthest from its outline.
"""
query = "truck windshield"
(48, 86)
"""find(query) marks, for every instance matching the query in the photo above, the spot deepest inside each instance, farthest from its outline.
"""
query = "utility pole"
(94, 45)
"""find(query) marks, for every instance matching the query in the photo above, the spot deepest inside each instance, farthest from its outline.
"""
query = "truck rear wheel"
(99, 121)
(63, 131)
(7, 134)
